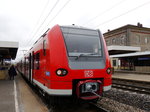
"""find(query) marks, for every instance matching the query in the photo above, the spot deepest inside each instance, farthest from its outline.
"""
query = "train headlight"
(109, 70)
(61, 72)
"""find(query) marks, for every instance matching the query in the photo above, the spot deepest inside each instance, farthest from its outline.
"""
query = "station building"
(129, 48)
(8, 51)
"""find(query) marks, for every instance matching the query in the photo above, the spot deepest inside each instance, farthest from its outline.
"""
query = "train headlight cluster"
(109, 70)
(61, 72)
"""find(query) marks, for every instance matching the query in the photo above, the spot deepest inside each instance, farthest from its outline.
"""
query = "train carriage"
(69, 61)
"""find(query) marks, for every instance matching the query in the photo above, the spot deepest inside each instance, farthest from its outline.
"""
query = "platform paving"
(132, 76)
(29, 101)
(7, 101)
(17, 96)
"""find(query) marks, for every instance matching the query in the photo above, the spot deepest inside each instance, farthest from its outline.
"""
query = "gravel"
(117, 100)
(114, 106)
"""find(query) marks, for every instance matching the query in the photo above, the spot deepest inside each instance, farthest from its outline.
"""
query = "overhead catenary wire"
(43, 22)
(60, 10)
(57, 14)
(146, 3)
(38, 21)
(104, 12)
(53, 17)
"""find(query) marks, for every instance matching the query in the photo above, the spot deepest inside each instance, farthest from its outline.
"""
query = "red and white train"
(69, 61)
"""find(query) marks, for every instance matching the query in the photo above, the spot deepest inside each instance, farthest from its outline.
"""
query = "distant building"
(127, 46)
(129, 35)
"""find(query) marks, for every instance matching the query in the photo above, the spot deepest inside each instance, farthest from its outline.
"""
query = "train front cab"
(69, 61)
(80, 62)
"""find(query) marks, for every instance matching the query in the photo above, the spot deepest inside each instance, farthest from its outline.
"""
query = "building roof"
(146, 53)
(128, 26)
(8, 50)
(115, 49)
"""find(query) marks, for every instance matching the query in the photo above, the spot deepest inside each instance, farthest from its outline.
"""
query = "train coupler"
(89, 89)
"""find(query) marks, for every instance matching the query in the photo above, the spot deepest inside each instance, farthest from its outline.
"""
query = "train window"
(37, 61)
(82, 41)
(44, 47)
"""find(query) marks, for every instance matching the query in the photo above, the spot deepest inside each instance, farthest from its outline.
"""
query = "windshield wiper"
(85, 55)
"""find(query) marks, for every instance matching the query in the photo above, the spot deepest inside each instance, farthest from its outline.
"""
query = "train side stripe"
(53, 91)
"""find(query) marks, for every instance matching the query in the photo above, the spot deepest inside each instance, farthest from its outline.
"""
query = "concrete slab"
(7, 102)
(17, 96)
(139, 77)
(27, 99)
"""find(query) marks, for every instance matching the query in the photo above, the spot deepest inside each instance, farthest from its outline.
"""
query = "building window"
(107, 42)
(117, 41)
(114, 63)
(122, 39)
(137, 39)
(113, 41)
(146, 40)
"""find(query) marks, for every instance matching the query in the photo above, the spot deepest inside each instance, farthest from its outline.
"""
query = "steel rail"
(132, 85)
(99, 108)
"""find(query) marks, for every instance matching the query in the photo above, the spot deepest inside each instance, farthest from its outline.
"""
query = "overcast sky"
(25, 20)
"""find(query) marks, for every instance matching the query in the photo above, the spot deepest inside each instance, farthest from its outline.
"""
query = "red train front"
(69, 61)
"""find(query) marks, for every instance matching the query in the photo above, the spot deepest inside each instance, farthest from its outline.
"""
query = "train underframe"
(83, 90)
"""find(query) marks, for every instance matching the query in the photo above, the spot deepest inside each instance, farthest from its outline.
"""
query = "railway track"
(99, 108)
(132, 85)
(81, 106)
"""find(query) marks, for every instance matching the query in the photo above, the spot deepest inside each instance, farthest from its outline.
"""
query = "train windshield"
(82, 42)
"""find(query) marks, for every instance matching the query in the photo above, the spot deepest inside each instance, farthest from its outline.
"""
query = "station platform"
(132, 76)
(17, 96)
(3, 74)
(7, 102)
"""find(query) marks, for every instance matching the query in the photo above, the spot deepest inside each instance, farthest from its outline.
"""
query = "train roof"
(76, 26)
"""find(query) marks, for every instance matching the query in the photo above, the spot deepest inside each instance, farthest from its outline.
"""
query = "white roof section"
(8, 50)
(146, 53)
(123, 48)
(6, 44)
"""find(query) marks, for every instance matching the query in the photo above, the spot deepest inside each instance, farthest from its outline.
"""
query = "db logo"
(88, 73)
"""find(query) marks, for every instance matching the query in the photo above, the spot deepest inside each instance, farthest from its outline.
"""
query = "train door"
(30, 67)
(24, 70)
(21, 66)
(44, 59)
